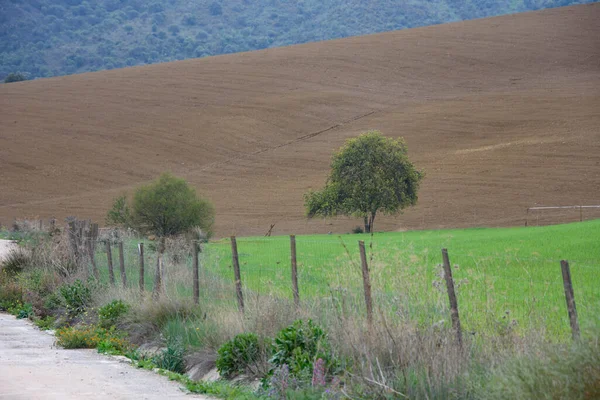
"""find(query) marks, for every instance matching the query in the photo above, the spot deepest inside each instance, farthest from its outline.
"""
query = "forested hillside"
(58, 37)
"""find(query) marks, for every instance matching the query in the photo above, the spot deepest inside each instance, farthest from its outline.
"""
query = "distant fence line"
(549, 208)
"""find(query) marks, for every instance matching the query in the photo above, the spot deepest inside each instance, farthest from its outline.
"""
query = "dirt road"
(31, 367)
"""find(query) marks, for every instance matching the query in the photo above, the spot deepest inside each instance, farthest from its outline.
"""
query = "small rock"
(200, 364)
(150, 350)
(212, 376)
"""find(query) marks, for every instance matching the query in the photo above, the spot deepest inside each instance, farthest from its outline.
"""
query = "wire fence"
(498, 291)
(551, 215)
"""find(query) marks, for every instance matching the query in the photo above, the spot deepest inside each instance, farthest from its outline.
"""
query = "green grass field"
(506, 277)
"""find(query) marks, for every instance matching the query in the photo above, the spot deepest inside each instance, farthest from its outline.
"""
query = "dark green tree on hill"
(15, 77)
(369, 174)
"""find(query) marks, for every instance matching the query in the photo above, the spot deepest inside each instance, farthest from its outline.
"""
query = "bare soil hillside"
(501, 113)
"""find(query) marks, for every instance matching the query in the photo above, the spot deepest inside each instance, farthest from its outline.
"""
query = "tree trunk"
(372, 221)
(367, 225)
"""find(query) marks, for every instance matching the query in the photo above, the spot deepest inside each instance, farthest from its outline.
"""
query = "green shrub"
(299, 346)
(166, 207)
(109, 314)
(113, 344)
(77, 296)
(119, 214)
(15, 77)
(358, 229)
(238, 354)
(54, 301)
(11, 307)
(38, 281)
(37, 285)
(77, 338)
(89, 337)
(25, 311)
(172, 358)
(145, 364)
(45, 323)
(17, 308)
(10, 294)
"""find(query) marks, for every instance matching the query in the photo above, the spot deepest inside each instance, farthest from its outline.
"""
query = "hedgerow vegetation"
(322, 350)
(59, 37)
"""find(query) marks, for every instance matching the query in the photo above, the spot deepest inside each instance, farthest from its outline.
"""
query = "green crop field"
(506, 278)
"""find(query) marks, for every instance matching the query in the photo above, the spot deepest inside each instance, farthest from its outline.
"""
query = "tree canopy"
(165, 207)
(15, 77)
(369, 174)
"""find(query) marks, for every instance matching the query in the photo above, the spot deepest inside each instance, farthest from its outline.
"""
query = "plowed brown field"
(502, 113)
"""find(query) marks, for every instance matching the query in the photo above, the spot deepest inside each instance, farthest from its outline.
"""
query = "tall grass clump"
(146, 319)
(565, 371)
(15, 262)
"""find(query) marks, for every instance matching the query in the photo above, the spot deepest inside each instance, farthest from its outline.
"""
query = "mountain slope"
(59, 37)
(502, 114)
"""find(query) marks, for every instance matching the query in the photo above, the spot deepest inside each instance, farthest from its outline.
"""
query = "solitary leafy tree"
(165, 207)
(369, 174)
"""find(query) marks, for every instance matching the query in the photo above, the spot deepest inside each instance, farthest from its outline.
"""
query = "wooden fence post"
(236, 271)
(92, 255)
(295, 290)
(157, 277)
(111, 272)
(72, 234)
(141, 251)
(93, 237)
(159, 272)
(196, 274)
(90, 237)
(570, 296)
(366, 282)
(452, 297)
(122, 265)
